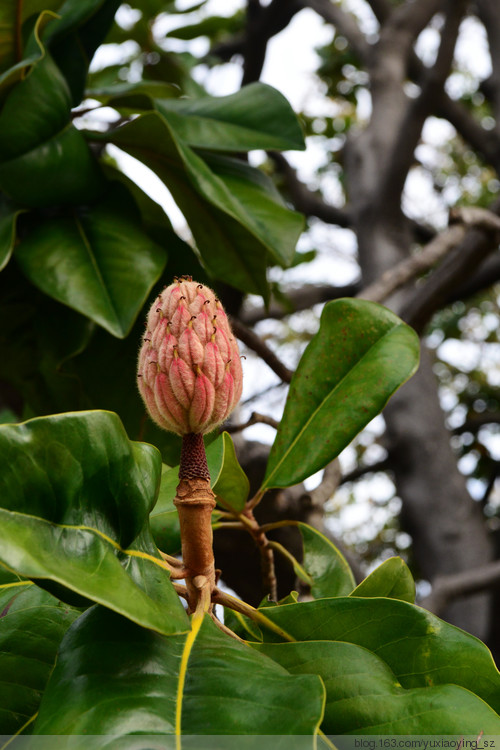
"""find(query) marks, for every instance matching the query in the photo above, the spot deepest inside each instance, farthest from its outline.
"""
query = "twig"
(305, 200)
(266, 553)
(447, 588)
(255, 343)
(360, 471)
(255, 418)
(220, 597)
(225, 629)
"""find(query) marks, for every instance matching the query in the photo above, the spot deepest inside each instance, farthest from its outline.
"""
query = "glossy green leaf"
(255, 117)
(13, 16)
(392, 579)
(360, 356)
(166, 685)
(76, 494)
(363, 696)
(44, 159)
(75, 35)
(229, 481)
(418, 647)
(99, 262)
(137, 95)
(33, 623)
(8, 222)
(257, 194)
(230, 228)
(325, 564)
(24, 128)
(164, 519)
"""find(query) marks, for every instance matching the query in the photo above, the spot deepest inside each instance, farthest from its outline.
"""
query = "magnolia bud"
(190, 373)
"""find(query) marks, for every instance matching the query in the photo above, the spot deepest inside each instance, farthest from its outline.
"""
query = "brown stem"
(266, 553)
(195, 502)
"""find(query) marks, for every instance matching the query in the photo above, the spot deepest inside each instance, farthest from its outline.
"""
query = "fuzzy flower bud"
(189, 372)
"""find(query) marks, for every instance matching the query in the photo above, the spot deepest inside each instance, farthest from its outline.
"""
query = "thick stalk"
(195, 502)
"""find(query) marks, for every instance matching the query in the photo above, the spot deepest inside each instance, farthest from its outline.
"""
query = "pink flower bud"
(190, 375)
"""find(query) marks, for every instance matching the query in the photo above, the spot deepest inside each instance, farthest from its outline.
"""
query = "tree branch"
(304, 200)
(344, 22)
(255, 418)
(447, 588)
(456, 269)
(435, 251)
(255, 343)
(303, 298)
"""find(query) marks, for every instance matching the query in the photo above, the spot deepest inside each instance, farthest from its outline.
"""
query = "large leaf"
(74, 37)
(255, 117)
(113, 678)
(418, 647)
(361, 354)
(44, 159)
(75, 496)
(229, 482)
(325, 564)
(164, 519)
(33, 623)
(230, 227)
(392, 579)
(11, 21)
(257, 194)
(99, 262)
(363, 695)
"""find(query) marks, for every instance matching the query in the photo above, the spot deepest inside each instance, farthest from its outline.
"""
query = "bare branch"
(326, 488)
(456, 269)
(255, 343)
(344, 22)
(475, 421)
(255, 418)
(263, 22)
(305, 200)
(416, 264)
(301, 299)
(447, 588)
(361, 471)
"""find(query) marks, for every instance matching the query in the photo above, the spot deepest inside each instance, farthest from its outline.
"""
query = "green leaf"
(13, 16)
(75, 36)
(257, 193)
(325, 564)
(98, 262)
(392, 579)
(8, 222)
(76, 494)
(135, 96)
(33, 624)
(365, 697)
(44, 159)
(179, 684)
(360, 356)
(421, 650)
(164, 519)
(230, 229)
(35, 111)
(255, 117)
(228, 480)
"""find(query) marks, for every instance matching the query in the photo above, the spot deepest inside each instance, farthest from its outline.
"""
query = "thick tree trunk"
(446, 525)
